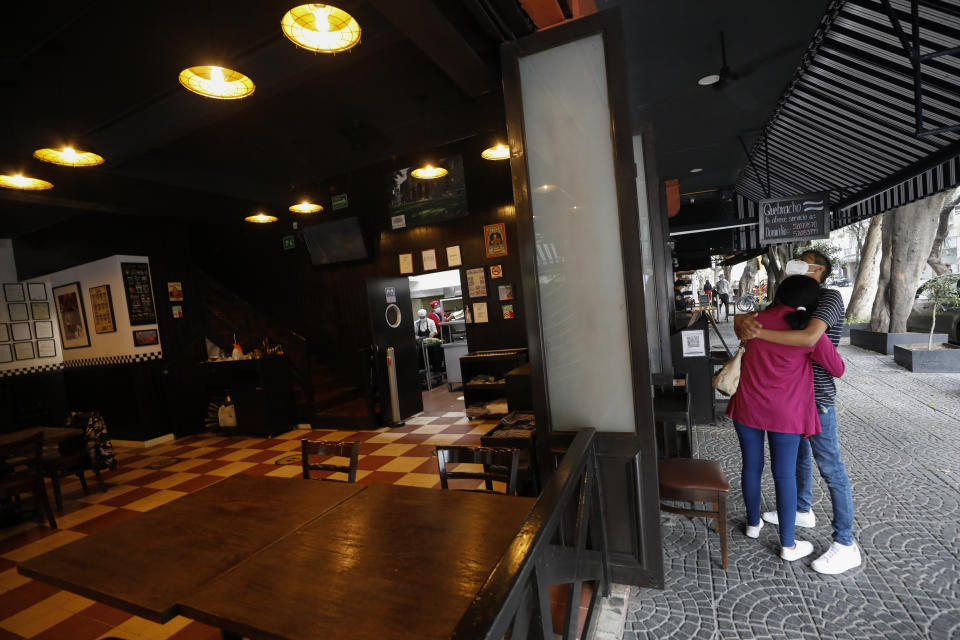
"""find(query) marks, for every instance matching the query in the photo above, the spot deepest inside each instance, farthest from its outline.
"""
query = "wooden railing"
(562, 541)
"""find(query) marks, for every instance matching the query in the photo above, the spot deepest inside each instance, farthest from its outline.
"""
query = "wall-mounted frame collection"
(139, 292)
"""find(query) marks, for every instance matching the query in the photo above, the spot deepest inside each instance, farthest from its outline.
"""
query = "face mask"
(796, 268)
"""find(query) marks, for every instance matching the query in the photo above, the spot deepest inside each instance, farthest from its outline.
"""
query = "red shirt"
(776, 381)
(435, 316)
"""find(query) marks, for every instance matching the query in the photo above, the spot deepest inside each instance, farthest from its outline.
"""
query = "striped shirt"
(830, 309)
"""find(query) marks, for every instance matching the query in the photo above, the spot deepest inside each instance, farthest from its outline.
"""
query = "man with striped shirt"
(843, 554)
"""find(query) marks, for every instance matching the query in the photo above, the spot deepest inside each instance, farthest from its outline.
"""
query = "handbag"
(727, 379)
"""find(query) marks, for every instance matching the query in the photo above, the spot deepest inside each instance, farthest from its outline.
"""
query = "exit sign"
(339, 201)
(289, 242)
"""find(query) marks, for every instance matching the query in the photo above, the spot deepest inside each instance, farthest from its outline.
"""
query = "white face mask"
(796, 267)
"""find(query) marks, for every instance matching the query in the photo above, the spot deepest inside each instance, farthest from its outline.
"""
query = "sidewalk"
(900, 434)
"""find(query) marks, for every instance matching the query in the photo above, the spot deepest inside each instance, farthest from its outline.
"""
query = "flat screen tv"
(414, 201)
(336, 241)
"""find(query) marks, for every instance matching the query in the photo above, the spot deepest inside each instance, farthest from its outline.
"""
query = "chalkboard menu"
(136, 284)
(795, 219)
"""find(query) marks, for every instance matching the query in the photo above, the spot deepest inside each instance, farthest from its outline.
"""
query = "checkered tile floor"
(148, 478)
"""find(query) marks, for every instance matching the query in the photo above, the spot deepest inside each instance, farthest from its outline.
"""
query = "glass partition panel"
(646, 257)
(569, 153)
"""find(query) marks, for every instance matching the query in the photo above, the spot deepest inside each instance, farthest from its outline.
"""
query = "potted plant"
(943, 294)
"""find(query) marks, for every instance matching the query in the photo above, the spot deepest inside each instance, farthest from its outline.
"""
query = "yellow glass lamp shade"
(217, 82)
(321, 27)
(261, 218)
(19, 181)
(429, 172)
(306, 207)
(497, 152)
(68, 157)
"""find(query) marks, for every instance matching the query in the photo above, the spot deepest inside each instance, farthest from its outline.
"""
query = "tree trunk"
(908, 234)
(775, 261)
(937, 249)
(865, 287)
(746, 278)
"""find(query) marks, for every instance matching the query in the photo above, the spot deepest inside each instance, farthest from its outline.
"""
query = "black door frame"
(627, 460)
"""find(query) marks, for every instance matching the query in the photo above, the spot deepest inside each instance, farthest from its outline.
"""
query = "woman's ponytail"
(798, 319)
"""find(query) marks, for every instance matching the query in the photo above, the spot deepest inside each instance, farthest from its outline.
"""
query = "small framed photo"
(13, 292)
(6, 353)
(43, 329)
(37, 290)
(495, 240)
(505, 291)
(4, 332)
(23, 350)
(175, 291)
(40, 310)
(18, 312)
(46, 349)
(146, 338)
(429, 257)
(21, 331)
(177, 310)
(496, 271)
(507, 310)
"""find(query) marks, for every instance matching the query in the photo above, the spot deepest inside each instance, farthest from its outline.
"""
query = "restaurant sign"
(795, 219)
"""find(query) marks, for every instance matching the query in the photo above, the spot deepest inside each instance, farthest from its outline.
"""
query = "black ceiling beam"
(432, 33)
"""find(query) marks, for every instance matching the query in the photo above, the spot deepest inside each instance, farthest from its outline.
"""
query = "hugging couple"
(787, 394)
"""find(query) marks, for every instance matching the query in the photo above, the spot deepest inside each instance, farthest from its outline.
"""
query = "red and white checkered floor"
(148, 478)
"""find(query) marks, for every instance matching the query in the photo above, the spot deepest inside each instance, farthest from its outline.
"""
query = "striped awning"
(847, 122)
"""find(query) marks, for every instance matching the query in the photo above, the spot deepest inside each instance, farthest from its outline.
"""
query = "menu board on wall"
(795, 219)
(136, 285)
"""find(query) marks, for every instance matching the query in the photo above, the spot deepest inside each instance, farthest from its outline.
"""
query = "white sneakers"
(754, 532)
(801, 549)
(837, 559)
(807, 519)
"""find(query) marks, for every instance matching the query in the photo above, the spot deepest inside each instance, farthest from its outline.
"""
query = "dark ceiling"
(670, 45)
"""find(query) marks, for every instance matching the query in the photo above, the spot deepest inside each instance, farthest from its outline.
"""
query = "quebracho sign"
(797, 218)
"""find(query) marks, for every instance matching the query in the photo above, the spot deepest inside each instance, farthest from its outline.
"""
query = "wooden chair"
(672, 406)
(498, 465)
(692, 480)
(21, 471)
(72, 459)
(349, 450)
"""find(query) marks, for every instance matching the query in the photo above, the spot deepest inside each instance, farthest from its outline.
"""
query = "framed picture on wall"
(23, 350)
(4, 332)
(6, 353)
(37, 290)
(13, 292)
(18, 311)
(101, 304)
(146, 338)
(46, 348)
(21, 331)
(40, 310)
(495, 240)
(505, 292)
(139, 292)
(43, 329)
(73, 323)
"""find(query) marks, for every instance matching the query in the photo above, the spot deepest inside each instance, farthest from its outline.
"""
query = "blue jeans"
(826, 451)
(783, 460)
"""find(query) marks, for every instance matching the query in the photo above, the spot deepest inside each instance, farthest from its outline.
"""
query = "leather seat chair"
(693, 480)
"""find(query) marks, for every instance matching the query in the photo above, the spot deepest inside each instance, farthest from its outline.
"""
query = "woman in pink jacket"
(775, 397)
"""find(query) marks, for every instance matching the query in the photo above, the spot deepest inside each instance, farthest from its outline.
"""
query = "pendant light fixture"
(429, 172)
(321, 27)
(19, 181)
(217, 82)
(68, 157)
(306, 207)
(261, 218)
(496, 152)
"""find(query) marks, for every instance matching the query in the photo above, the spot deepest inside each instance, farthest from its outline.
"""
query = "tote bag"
(728, 378)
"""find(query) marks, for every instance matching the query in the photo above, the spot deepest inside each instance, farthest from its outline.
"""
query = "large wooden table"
(278, 558)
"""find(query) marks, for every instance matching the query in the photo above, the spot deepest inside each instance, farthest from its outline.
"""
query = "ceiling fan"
(725, 80)
(724, 74)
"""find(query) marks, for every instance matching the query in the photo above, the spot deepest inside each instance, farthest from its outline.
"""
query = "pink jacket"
(776, 381)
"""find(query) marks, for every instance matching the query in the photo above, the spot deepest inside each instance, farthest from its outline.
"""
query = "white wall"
(8, 266)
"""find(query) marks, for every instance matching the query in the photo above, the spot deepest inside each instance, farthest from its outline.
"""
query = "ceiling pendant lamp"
(19, 181)
(217, 82)
(321, 27)
(429, 172)
(496, 152)
(261, 218)
(68, 157)
(306, 207)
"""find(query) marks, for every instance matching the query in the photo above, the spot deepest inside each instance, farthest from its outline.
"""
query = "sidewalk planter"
(853, 325)
(943, 358)
(883, 342)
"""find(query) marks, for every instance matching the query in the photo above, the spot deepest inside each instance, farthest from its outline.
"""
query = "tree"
(933, 260)
(865, 287)
(775, 261)
(746, 278)
(943, 293)
(830, 250)
(906, 239)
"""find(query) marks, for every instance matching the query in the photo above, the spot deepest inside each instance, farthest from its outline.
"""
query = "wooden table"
(278, 558)
(51, 435)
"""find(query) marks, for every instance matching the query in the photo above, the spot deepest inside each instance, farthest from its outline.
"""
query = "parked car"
(948, 321)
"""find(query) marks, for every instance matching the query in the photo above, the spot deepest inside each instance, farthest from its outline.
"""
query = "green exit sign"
(339, 201)
(289, 242)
